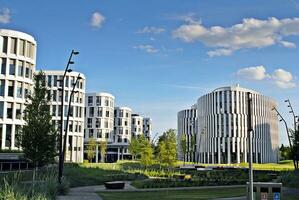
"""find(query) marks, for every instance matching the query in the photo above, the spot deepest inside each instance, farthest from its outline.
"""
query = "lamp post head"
(71, 62)
(286, 100)
(75, 52)
(69, 70)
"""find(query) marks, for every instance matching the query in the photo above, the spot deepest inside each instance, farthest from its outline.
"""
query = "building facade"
(222, 127)
(137, 125)
(122, 132)
(75, 139)
(187, 124)
(17, 62)
(99, 125)
(147, 127)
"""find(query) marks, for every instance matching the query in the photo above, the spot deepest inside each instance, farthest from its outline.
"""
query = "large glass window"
(27, 70)
(55, 81)
(21, 68)
(12, 67)
(49, 80)
(22, 47)
(18, 111)
(2, 87)
(10, 88)
(54, 95)
(8, 135)
(91, 111)
(54, 110)
(90, 100)
(19, 90)
(28, 49)
(3, 65)
(31, 52)
(1, 110)
(13, 45)
(3, 44)
(98, 101)
(26, 90)
(9, 110)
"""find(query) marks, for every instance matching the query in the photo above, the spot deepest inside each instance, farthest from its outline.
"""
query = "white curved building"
(75, 139)
(99, 116)
(122, 131)
(187, 124)
(17, 65)
(222, 127)
(137, 125)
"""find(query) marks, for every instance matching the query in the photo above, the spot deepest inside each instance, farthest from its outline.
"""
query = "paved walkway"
(89, 192)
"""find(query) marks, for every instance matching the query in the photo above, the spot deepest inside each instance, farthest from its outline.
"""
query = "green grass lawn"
(176, 194)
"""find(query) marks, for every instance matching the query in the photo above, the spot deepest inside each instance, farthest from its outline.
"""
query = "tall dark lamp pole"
(68, 115)
(250, 134)
(61, 157)
(292, 112)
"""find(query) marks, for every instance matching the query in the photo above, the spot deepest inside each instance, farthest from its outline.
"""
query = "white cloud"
(251, 33)
(283, 79)
(151, 29)
(147, 48)
(4, 15)
(97, 20)
(279, 77)
(253, 73)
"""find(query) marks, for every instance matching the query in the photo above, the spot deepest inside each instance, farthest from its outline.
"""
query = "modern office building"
(222, 127)
(75, 139)
(99, 119)
(137, 125)
(147, 127)
(17, 62)
(187, 124)
(122, 132)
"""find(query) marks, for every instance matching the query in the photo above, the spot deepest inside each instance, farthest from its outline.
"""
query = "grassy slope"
(178, 195)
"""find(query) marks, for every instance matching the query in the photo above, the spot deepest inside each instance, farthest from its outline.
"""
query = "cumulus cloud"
(4, 15)
(151, 29)
(251, 33)
(147, 48)
(253, 73)
(283, 79)
(279, 77)
(97, 20)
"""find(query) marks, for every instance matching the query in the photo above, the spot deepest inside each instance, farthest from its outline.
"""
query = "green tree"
(91, 147)
(103, 146)
(183, 143)
(295, 147)
(134, 147)
(167, 151)
(146, 152)
(193, 147)
(285, 152)
(38, 137)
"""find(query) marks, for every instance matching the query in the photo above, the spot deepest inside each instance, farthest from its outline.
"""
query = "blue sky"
(159, 56)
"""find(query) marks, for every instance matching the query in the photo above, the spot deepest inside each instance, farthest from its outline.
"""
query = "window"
(13, 45)
(2, 87)
(10, 88)
(107, 135)
(98, 101)
(99, 133)
(91, 133)
(49, 80)
(21, 68)
(19, 90)
(3, 66)
(28, 49)
(91, 111)
(107, 113)
(9, 110)
(71, 126)
(106, 124)
(98, 122)
(89, 122)
(3, 46)
(67, 80)
(55, 81)
(66, 96)
(54, 95)
(31, 52)
(22, 47)
(27, 73)
(26, 89)
(18, 111)
(106, 102)
(59, 95)
(54, 110)
(90, 100)
(8, 135)
(99, 112)
(12, 67)
(1, 110)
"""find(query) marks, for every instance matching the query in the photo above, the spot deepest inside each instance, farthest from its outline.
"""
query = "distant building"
(17, 63)
(147, 127)
(187, 124)
(75, 139)
(137, 125)
(222, 127)
(99, 119)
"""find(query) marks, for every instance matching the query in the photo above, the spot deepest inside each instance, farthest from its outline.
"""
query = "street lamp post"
(68, 116)
(250, 131)
(292, 112)
(61, 156)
